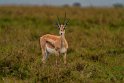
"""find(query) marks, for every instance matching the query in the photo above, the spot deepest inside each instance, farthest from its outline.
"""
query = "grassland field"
(95, 37)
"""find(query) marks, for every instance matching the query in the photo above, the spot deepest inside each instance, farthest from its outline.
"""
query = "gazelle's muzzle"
(62, 32)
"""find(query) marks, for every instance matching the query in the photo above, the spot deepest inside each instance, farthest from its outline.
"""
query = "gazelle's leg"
(42, 44)
(64, 57)
(57, 56)
(43, 55)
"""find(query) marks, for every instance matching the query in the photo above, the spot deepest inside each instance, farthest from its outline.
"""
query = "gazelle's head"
(62, 26)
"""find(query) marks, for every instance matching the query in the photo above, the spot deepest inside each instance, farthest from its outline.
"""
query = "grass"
(95, 37)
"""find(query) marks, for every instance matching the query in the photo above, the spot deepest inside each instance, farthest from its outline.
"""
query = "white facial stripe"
(62, 32)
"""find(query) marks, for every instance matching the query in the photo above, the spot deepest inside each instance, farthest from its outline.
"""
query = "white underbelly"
(50, 50)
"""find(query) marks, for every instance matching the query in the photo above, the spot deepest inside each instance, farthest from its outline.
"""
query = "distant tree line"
(77, 4)
(118, 5)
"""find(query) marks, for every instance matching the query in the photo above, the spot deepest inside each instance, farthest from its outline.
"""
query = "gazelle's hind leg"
(43, 55)
(42, 44)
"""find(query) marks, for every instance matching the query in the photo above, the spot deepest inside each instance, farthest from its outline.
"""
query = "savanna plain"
(95, 37)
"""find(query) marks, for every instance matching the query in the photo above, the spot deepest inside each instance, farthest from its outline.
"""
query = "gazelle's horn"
(58, 20)
(64, 19)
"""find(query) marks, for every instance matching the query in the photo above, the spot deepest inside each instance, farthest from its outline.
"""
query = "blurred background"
(82, 3)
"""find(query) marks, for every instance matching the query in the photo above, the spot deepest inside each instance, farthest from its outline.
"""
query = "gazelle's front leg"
(57, 56)
(64, 57)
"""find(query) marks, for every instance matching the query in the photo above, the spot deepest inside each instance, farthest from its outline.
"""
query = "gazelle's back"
(50, 40)
(51, 37)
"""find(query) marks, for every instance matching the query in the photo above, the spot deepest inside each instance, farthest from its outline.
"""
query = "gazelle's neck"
(63, 41)
(62, 36)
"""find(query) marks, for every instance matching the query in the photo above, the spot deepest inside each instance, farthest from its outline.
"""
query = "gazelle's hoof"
(65, 64)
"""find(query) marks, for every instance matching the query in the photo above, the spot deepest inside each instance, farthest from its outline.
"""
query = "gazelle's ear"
(57, 25)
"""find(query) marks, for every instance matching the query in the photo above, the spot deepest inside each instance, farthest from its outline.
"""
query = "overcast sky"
(62, 2)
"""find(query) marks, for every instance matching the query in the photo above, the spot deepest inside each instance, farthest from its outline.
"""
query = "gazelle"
(53, 44)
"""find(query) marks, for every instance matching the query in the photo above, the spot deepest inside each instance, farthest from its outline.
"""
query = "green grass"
(95, 37)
